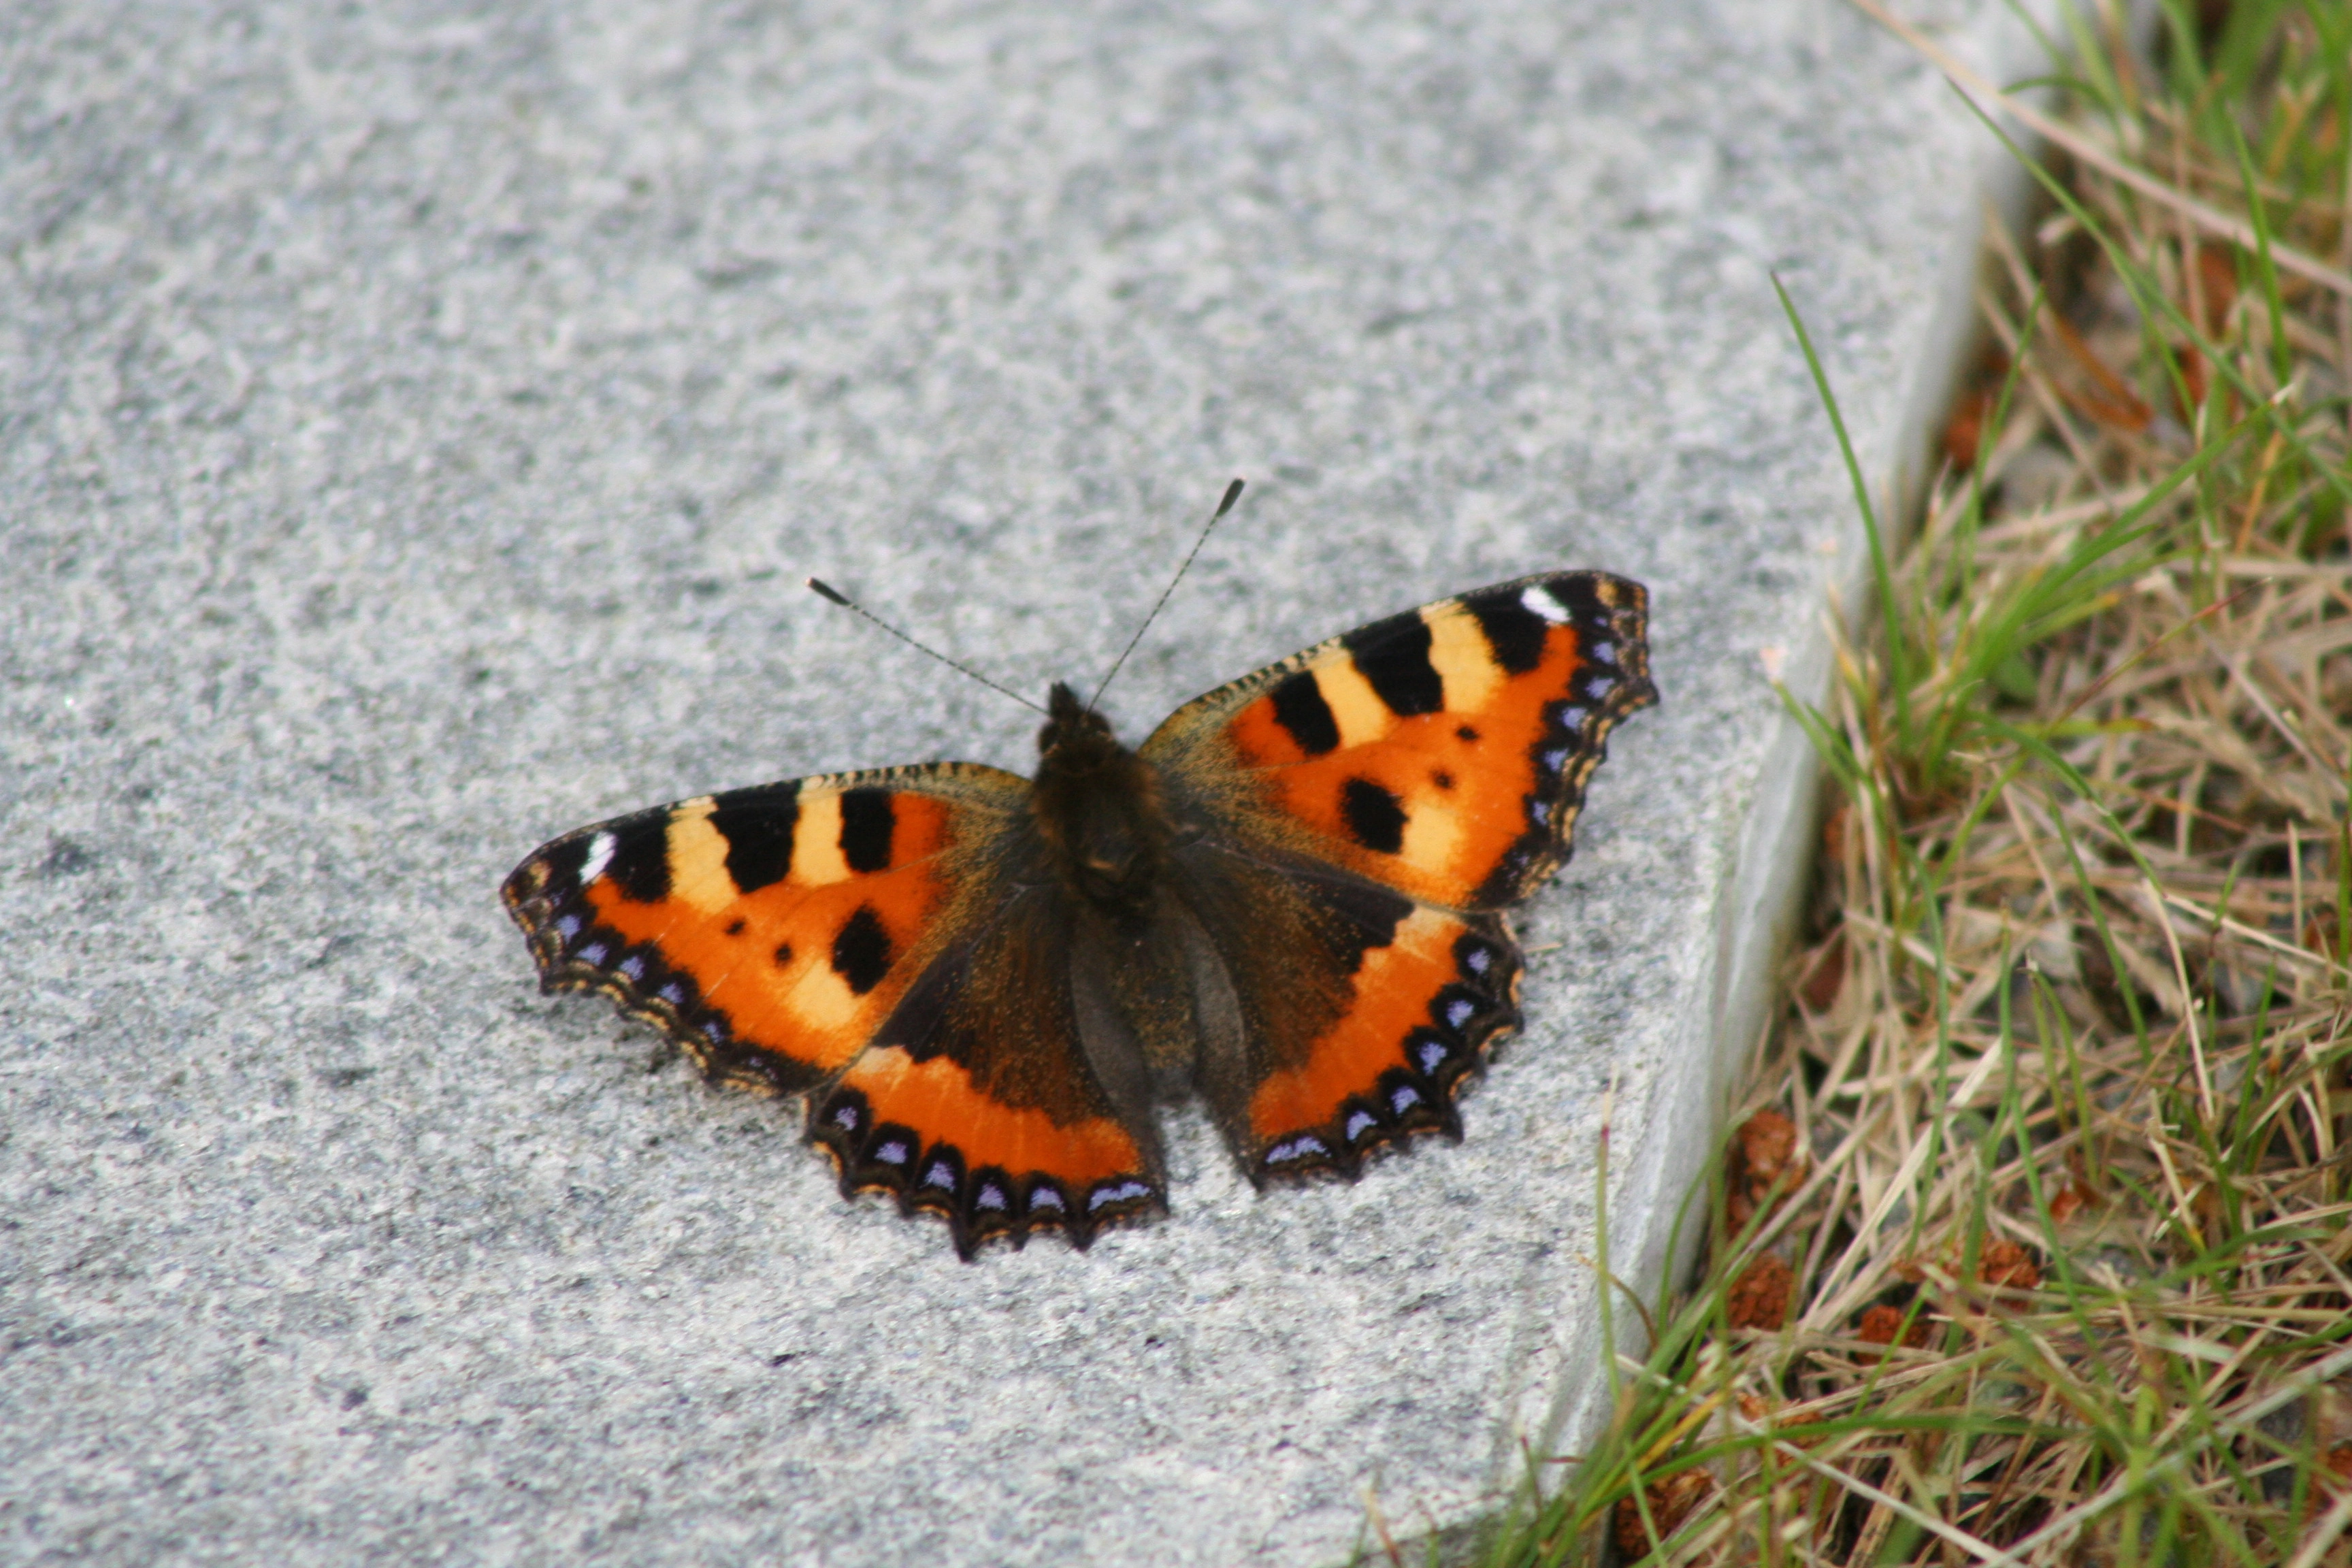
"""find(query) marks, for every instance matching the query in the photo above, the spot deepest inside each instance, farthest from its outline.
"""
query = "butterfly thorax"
(1099, 809)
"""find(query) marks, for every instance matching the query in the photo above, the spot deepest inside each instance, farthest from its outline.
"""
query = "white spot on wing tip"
(600, 855)
(1544, 605)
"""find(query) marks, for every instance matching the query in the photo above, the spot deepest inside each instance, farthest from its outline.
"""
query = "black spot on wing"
(758, 826)
(1299, 707)
(1392, 654)
(784, 955)
(1375, 817)
(1515, 632)
(861, 953)
(640, 863)
(867, 823)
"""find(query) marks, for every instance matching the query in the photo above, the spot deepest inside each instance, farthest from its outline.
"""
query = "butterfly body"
(1288, 902)
(1099, 810)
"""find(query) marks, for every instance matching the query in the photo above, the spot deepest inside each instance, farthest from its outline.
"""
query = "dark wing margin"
(577, 949)
(1610, 619)
(975, 1101)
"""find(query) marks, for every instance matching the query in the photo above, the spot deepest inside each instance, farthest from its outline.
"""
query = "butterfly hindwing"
(1363, 1011)
(975, 1100)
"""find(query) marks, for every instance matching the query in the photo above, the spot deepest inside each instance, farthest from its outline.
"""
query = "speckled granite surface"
(417, 420)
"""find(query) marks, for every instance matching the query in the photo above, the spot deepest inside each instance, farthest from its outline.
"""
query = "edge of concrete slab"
(1658, 1211)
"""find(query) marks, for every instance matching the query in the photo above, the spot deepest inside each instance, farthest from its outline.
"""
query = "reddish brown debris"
(2006, 1264)
(1879, 1326)
(1760, 1297)
(1826, 975)
(2097, 392)
(1671, 1502)
(1964, 431)
(2319, 933)
(1764, 1151)
(2216, 283)
(2070, 1200)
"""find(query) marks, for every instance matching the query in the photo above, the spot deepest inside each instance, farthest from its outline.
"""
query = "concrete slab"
(418, 418)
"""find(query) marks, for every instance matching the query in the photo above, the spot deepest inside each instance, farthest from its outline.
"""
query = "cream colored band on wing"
(1421, 931)
(819, 998)
(1433, 832)
(1458, 652)
(698, 859)
(1358, 710)
(817, 843)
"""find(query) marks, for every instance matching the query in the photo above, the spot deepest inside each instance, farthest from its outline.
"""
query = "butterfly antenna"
(838, 597)
(1232, 494)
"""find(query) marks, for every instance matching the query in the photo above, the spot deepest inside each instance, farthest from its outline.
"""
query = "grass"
(2034, 1243)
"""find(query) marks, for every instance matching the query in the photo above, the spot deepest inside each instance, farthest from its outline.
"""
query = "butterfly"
(1289, 903)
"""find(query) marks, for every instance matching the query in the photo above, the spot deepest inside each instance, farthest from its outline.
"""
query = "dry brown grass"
(2039, 1249)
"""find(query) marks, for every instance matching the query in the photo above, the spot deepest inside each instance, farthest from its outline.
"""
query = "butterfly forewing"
(1443, 751)
(768, 931)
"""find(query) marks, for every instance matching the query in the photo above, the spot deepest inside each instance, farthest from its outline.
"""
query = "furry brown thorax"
(1098, 808)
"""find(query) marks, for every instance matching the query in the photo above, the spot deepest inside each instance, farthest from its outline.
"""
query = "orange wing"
(1425, 1007)
(833, 933)
(1436, 761)
(1443, 751)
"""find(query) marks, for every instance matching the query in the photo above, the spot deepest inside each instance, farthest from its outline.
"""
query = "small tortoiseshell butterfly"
(1288, 900)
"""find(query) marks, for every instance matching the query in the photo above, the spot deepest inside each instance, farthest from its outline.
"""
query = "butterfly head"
(1099, 807)
(1072, 729)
